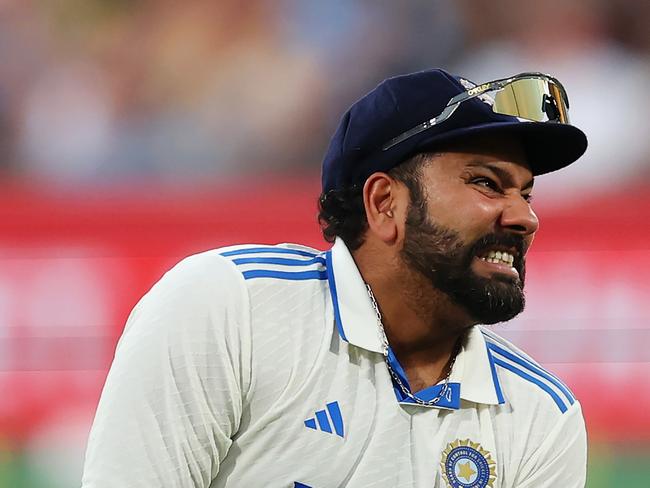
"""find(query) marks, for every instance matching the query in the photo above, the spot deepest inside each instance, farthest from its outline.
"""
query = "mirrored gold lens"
(532, 99)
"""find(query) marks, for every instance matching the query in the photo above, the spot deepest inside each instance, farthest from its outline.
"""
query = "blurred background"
(134, 133)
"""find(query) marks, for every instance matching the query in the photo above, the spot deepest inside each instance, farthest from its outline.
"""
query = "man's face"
(469, 230)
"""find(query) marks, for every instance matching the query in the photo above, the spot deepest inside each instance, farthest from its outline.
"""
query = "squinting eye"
(487, 183)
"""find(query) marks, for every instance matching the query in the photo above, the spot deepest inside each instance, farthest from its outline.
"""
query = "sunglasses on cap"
(530, 96)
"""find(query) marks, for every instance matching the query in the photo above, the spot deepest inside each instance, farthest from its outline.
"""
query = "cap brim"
(548, 146)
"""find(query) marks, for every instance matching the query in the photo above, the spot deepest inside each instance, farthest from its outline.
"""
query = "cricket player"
(370, 364)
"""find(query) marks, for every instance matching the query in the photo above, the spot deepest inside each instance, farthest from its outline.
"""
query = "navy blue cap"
(398, 104)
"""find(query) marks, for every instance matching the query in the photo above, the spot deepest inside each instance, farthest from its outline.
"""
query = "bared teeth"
(499, 257)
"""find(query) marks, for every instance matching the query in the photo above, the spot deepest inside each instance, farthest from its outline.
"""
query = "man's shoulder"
(526, 384)
(265, 263)
(262, 275)
(250, 261)
(290, 315)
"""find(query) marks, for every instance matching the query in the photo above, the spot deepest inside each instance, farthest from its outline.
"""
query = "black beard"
(441, 256)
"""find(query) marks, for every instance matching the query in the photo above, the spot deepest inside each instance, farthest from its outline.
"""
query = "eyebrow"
(504, 175)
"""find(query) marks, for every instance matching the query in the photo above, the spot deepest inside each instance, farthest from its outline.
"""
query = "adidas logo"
(321, 421)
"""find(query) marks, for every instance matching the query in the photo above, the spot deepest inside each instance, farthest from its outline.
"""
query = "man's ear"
(379, 200)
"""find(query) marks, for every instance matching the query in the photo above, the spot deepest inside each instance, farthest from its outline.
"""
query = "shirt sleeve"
(561, 460)
(173, 396)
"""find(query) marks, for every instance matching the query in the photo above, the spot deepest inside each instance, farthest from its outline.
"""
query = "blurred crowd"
(95, 91)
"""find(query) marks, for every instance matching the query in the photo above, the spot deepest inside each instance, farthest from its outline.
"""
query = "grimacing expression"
(440, 254)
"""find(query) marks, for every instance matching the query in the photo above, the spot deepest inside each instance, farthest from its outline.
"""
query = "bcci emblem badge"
(465, 464)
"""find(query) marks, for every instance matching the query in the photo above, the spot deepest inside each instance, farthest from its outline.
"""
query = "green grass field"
(613, 466)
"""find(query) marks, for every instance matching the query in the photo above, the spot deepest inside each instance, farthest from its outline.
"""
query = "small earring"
(389, 213)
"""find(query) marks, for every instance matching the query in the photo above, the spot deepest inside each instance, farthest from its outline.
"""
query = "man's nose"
(518, 216)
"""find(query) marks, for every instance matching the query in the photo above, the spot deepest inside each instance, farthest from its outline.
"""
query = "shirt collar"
(356, 322)
(475, 371)
(355, 316)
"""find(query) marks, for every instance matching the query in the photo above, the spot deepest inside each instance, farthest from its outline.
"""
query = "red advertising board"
(72, 265)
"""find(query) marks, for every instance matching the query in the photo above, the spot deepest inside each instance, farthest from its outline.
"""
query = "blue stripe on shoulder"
(495, 377)
(282, 261)
(498, 341)
(285, 275)
(526, 364)
(558, 401)
(270, 249)
(335, 299)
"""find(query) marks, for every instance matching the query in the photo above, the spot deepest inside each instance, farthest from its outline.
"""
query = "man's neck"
(422, 324)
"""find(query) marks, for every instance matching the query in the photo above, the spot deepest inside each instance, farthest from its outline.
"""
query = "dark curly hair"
(342, 214)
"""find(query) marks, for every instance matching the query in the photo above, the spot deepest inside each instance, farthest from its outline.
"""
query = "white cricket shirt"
(261, 366)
